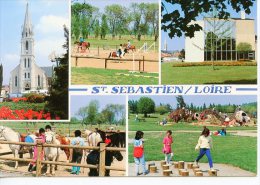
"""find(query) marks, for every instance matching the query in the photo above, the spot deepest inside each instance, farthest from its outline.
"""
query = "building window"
(28, 75)
(25, 63)
(26, 45)
(16, 81)
(24, 75)
(39, 82)
(28, 62)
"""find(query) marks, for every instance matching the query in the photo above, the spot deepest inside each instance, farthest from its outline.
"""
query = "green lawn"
(205, 74)
(62, 128)
(23, 105)
(235, 150)
(90, 76)
(151, 124)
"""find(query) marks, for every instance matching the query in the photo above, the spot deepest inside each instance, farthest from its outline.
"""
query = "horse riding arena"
(140, 61)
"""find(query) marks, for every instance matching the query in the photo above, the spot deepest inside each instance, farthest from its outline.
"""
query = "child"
(204, 144)
(120, 50)
(48, 128)
(128, 44)
(139, 153)
(76, 154)
(40, 139)
(167, 150)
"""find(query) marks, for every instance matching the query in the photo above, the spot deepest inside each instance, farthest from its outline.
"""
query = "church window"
(25, 63)
(16, 81)
(26, 34)
(28, 62)
(39, 80)
(28, 75)
(24, 75)
(26, 45)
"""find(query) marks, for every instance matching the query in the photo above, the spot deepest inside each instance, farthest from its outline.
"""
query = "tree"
(104, 27)
(162, 109)
(82, 113)
(96, 29)
(92, 112)
(176, 20)
(57, 103)
(132, 104)
(244, 46)
(146, 106)
(182, 54)
(180, 101)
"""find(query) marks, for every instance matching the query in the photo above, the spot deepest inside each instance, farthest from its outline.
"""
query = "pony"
(51, 153)
(64, 141)
(83, 46)
(12, 136)
(93, 138)
(114, 54)
(132, 47)
(93, 156)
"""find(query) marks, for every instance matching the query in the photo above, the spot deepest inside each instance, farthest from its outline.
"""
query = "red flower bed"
(7, 114)
(19, 99)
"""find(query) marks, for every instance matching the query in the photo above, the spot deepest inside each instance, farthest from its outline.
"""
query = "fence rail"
(102, 152)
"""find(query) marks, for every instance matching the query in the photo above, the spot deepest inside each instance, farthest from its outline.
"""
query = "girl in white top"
(204, 145)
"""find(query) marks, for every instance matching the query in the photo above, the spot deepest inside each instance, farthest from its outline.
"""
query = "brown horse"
(82, 46)
(64, 141)
(114, 54)
(132, 47)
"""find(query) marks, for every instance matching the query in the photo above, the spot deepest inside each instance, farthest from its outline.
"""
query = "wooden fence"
(102, 153)
(141, 61)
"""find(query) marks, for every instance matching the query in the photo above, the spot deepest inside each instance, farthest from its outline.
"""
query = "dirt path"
(7, 167)
(223, 170)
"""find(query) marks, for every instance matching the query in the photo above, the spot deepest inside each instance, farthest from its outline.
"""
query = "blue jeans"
(139, 161)
(206, 151)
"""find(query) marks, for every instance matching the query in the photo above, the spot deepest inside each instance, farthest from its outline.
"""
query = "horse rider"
(128, 44)
(120, 50)
(81, 40)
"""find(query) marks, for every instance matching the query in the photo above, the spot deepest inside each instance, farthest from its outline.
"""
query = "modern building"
(28, 76)
(219, 39)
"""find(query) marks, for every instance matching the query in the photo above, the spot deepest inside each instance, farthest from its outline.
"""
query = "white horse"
(51, 153)
(93, 138)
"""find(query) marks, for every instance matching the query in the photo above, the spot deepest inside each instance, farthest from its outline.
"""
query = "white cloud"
(10, 58)
(51, 24)
(44, 47)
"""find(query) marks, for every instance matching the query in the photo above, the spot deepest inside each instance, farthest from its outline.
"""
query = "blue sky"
(178, 43)
(78, 101)
(200, 100)
(47, 17)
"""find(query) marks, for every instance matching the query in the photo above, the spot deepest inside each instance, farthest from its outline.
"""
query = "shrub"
(35, 98)
(235, 63)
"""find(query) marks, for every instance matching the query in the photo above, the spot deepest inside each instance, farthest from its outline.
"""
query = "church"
(28, 76)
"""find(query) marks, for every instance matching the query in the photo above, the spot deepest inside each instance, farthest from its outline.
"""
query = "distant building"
(4, 91)
(28, 76)
(230, 33)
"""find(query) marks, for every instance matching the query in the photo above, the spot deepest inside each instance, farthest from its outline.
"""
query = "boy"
(76, 154)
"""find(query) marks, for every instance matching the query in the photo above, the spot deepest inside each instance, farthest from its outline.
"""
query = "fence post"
(98, 50)
(143, 63)
(102, 159)
(38, 160)
(76, 61)
(105, 63)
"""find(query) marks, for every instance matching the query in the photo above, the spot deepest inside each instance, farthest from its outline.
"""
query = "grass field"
(235, 150)
(151, 124)
(62, 128)
(205, 74)
(90, 76)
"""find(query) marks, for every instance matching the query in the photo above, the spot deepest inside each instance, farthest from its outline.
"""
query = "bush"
(35, 98)
(216, 63)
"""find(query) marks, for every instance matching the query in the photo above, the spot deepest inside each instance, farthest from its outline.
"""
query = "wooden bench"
(141, 119)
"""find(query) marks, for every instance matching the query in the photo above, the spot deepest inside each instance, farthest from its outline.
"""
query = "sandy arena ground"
(223, 170)
(126, 65)
(7, 167)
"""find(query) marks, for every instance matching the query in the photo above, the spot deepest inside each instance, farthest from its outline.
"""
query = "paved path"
(223, 170)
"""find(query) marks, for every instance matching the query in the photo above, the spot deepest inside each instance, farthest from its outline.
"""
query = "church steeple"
(27, 26)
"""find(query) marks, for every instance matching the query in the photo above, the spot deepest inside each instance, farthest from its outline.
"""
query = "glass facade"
(220, 41)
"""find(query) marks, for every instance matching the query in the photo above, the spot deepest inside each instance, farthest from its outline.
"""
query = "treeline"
(90, 114)
(146, 105)
(139, 19)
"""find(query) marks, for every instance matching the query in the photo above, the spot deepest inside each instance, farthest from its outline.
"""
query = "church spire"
(27, 26)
